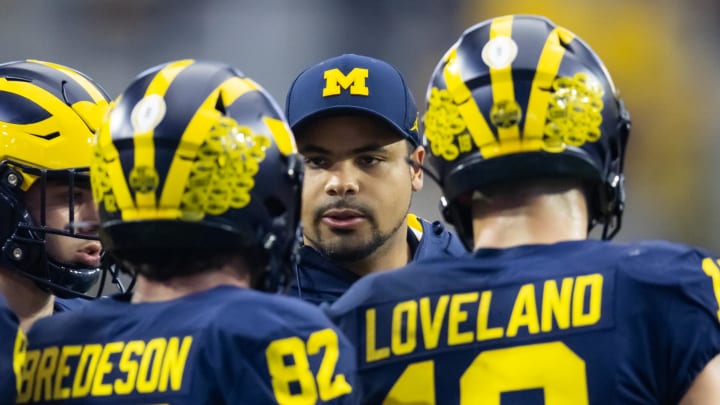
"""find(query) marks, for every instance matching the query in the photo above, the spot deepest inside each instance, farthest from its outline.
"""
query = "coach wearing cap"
(356, 124)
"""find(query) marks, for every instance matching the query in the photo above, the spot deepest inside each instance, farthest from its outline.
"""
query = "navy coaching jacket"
(319, 280)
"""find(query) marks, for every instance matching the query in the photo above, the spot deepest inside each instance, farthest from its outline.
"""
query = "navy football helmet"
(195, 156)
(518, 98)
(48, 115)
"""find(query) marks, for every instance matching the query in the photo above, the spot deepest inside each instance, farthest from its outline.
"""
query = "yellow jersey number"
(19, 353)
(710, 267)
(552, 366)
(326, 385)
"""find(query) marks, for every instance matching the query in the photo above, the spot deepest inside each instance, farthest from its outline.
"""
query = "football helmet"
(517, 98)
(194, 155)
(48, 114)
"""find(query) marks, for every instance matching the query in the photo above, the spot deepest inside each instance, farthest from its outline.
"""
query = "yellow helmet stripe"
(547, 68)
(477, 126)
(194, 135)
(120, 189)
(503, 89)
(37, 94)
(91, 89)
(144, 141)
(281, 134)
(53, 105)
(235, 87)
(41, 129)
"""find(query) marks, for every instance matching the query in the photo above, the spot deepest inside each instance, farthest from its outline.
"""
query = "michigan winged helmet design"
(515, 98)
(194, 155)
(48, 113)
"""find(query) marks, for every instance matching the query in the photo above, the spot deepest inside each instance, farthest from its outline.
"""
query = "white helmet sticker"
(499, 52)
(148, 113)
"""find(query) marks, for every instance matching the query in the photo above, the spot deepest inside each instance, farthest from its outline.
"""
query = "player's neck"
(394, 253)
(532, 218)
(147, 290)
(28, 301)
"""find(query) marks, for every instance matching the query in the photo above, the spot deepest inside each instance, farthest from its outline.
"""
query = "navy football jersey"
(584, 322)
(12, 352)
(226, 345)
(320, 280)
(69, 304)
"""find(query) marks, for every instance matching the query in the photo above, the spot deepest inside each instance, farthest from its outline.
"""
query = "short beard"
(354, 253)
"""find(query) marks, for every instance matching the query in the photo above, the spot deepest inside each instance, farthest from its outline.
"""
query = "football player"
(527, 137)
(355, 121)
(48, 241)
(197, 180)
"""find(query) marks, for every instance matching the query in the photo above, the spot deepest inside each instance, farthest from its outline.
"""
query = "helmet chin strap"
(26, 251)
(73, 281)
(70, 280)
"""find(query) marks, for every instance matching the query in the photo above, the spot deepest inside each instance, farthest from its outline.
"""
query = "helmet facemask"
(29, 240)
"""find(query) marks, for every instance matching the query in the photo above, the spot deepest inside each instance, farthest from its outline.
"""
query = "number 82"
(325, 384)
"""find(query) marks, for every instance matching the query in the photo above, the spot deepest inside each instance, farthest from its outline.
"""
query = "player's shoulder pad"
(384, 286)
(70, 304)
(662, 262)
(259, 315)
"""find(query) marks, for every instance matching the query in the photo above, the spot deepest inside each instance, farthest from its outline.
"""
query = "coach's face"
(358, 185)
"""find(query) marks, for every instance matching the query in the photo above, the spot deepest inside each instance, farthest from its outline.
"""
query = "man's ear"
(416, 171)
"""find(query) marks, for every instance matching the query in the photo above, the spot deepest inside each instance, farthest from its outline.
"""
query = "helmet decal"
(222, 176)
(148, 113)
(499, 52)
(574, 112)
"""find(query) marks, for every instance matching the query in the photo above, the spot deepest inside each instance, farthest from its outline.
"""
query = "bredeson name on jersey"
(444, 321)
(76, 371)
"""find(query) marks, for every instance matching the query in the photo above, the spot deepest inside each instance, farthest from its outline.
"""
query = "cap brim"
(350, 110)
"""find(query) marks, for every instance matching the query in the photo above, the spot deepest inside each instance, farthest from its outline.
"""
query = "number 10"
(553, 366)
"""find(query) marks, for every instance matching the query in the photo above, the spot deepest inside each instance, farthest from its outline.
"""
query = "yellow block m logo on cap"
(355, 80)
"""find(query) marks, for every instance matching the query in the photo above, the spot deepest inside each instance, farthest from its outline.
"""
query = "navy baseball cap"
(353, 84)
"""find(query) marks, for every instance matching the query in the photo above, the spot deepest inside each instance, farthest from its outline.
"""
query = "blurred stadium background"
(663, 55)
